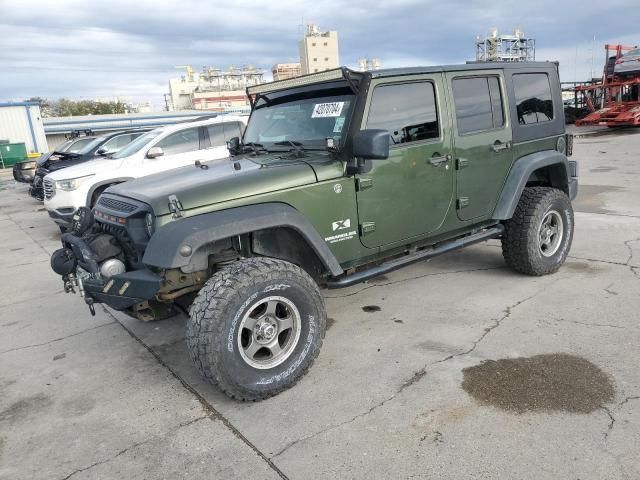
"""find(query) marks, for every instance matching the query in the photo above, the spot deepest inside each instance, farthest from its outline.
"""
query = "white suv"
(161, 149)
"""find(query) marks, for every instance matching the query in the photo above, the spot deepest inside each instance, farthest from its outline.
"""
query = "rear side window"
(407, 111)
(478, 102)
(533, 98)
(180, 142)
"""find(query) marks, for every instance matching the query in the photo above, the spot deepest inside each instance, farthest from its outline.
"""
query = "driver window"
(181, 142)
(407, 111)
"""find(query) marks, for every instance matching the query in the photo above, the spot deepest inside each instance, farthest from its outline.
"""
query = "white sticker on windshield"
(337, 127)
(322, 110)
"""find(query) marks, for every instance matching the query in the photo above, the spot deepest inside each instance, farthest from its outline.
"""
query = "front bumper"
(119, 291)
(23, 175)
(36, 190)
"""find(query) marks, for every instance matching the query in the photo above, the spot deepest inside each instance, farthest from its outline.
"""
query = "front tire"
(537, 239)
(256, 327)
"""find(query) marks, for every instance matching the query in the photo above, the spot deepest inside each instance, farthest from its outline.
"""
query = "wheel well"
(287, 244)
(550, 176)
(97, 191)
(283, 243)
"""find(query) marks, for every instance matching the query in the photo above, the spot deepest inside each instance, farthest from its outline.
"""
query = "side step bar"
(390, 266)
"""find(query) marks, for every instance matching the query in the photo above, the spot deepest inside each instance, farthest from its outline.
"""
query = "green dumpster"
(12, 153)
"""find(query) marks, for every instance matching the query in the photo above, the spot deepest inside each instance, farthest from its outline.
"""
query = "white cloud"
(120, 47)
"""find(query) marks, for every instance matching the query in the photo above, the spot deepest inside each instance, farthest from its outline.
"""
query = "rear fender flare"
(520, 174)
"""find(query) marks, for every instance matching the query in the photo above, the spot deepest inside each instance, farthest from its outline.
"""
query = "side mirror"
(102, 151)
(234, 145)
(371, 144)
(155, 152)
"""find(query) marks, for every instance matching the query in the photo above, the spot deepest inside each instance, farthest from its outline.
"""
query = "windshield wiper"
(255, 148)
(296, 147)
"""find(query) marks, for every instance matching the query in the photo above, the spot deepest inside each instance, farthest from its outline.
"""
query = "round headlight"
(561, 145)
(148, 223)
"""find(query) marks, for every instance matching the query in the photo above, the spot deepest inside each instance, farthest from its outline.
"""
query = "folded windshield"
(137, 145)
(306, 121)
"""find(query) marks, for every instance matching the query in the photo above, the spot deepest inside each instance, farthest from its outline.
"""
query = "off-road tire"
(215, 318)
(520, 240)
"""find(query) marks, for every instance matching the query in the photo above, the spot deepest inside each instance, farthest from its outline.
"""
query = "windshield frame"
(325, 93)
(137, 144)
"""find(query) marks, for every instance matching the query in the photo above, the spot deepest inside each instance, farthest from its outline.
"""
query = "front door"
(482, 140)
(408, 194)
(181, 148)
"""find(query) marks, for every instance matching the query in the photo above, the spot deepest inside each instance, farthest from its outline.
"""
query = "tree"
(64, 107)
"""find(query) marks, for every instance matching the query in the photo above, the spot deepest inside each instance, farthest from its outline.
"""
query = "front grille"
(123, 239)
(116, 205)
(49, 188)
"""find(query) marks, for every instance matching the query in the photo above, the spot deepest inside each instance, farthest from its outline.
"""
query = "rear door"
(409, 193)
(482, 140)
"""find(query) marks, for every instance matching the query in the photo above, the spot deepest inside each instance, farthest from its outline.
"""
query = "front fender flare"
(519, 175)
(163, 248)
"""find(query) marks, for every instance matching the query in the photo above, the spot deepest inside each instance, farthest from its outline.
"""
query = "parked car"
(629, 63)
(342, 176)
(25, 171)
(101, 146)
(158, 150)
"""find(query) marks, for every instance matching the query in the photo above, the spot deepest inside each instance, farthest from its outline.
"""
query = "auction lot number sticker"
(323, 110)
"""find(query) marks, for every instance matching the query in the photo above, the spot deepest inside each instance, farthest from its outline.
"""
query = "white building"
(318, 50)
(21, 122)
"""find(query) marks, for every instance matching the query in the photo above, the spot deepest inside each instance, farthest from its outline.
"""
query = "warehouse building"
(58, 129)
(21, 122)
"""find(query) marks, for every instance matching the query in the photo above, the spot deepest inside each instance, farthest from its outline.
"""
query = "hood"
(97, 166)
(223, 180)
(43, 158)
(63, 160)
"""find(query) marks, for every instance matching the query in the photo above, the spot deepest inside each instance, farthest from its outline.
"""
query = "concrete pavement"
(111, 397)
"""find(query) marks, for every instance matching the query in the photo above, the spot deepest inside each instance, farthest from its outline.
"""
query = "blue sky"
(129, 48)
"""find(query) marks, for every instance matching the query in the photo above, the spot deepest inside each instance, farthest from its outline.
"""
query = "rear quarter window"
(534, 103)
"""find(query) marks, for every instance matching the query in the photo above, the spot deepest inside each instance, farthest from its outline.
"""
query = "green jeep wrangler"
(340, 176)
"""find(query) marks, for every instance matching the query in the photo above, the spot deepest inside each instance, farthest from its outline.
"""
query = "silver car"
(629, 63)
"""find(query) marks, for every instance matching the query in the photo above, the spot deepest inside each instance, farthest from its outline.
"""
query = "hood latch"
(175, 206)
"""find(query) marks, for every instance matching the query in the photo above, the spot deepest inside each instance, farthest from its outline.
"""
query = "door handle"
(499, 146)
(438, 159)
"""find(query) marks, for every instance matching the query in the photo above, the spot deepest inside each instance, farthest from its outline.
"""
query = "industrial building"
(213, 89)
(318, 50)
(282, 71)
(21, 122)
(498, 47)
(368, 64)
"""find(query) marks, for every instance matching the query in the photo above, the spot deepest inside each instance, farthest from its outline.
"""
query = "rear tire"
(537, 239)
(256, 327)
